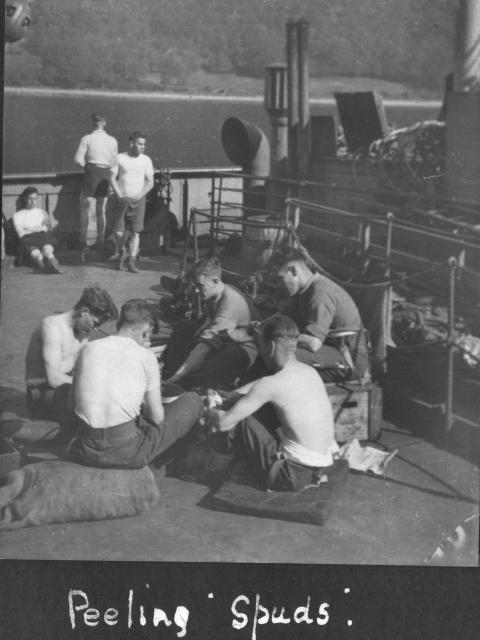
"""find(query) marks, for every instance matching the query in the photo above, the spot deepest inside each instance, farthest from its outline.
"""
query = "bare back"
(302, 405)
(53, 350)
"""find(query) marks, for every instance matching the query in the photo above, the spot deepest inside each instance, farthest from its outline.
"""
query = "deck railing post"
(388, 245)
(452, 264)
(212, 215)
(195, 238)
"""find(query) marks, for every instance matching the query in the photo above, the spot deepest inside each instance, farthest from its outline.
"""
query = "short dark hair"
(208, 267)
(99, 302)
(29, 191)
(98, 117)
(135, 311)
(135, 135)
(286, 254)
(280, 327)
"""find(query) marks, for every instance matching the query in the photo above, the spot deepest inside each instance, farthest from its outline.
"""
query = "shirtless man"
(304, 443)
(132, 179)
(121, 421)
(221, 349)
(54, 348)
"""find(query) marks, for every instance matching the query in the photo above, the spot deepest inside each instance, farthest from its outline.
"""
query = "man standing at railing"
(131, 180)
(97, 155)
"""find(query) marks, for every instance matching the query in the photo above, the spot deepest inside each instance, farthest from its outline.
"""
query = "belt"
(117, 431)
(100, 166)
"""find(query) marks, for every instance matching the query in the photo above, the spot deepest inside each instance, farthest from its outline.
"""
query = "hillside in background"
(190, 45)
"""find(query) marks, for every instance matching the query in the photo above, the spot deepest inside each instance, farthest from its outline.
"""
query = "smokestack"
(298, 99)
(467, 46)
(275, 104)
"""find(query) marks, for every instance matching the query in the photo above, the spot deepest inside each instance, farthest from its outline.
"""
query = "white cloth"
(298, 453)
(28, 221)
(110, 381)
(98, 148)
(132, 172)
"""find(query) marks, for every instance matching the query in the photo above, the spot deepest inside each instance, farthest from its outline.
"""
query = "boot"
(38, 262)
(121, 261)
(131, 264)
(54, 265)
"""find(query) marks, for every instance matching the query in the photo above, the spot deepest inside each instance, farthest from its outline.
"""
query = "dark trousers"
(45, 403)
(135, 444)
(220, 369)
(264, 453)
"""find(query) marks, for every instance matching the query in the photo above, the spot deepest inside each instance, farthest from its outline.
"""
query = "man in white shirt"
(121, 421)
(33, 229)
(97, 155)
(131, 181)
(304, 444)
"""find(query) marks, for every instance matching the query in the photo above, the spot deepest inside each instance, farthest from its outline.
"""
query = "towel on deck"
(58, 491)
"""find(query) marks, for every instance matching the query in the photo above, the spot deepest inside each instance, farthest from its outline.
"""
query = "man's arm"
(148, 184)
(52, 356)
(193, 361)
(260, 392)
(114, 182)
(153, 407)
(311, 343)
(81, 152)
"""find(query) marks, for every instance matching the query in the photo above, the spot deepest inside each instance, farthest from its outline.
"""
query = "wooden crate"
(357, 410)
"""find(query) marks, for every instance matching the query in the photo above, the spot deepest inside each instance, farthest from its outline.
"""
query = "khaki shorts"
(129, 215)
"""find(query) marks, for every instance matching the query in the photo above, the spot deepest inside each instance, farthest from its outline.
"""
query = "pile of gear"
(410, 156)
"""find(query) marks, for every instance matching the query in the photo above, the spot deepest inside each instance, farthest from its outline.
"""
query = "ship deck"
(397, 519)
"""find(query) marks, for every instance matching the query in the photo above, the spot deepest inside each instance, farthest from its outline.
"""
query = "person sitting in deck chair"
(303, 444)
(33, 229)
(221, 349)
(332, 337)
(121, 421)
(53, 351)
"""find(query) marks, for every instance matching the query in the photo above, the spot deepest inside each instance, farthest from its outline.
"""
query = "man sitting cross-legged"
(53, 351)
(221, 349)
(121, 421)
(304, 442)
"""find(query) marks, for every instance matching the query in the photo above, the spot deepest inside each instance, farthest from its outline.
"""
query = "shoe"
(121, 261)
(131, 265)
(54, 265)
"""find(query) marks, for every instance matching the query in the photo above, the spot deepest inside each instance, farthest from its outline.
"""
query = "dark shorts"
(96, 181)
(129, 215)
(36, 241)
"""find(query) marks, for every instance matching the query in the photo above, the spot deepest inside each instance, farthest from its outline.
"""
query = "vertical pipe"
(292, 76)
(195, 238)
(388, 246)
(467, 46)
(212, 215)
(219, 208)
(452, 263)
(303, 101)
(185, 205)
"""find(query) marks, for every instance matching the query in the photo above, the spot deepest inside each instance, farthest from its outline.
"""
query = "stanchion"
(452, 264)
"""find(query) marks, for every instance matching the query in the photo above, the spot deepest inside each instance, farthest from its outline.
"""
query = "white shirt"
(28, 221)
(98, 148)
(133, 172)
(110, 381)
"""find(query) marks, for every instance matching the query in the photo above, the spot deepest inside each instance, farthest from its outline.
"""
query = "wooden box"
(357, 410)
(9, 457)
